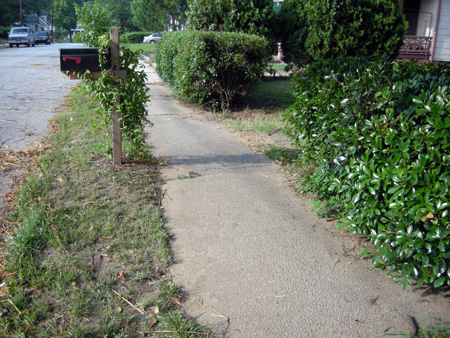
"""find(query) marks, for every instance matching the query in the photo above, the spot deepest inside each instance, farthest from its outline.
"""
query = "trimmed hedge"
(211, 68)
(379, 134)
(134, 37)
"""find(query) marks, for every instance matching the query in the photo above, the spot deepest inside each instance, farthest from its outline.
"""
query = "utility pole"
(53, 11)
(20, 13)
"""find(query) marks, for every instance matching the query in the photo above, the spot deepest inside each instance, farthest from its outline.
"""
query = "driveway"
(253, 260)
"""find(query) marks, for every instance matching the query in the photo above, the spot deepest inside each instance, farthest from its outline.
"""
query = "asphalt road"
(32, 89)
(252, 258)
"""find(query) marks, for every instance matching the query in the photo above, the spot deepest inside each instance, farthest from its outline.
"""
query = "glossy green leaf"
(406, 281)
(439, 282)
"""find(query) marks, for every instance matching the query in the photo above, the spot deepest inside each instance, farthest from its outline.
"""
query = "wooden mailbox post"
(115, 63)
(78, 61)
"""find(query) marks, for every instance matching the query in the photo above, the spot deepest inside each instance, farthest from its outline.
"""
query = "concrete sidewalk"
(247, 246)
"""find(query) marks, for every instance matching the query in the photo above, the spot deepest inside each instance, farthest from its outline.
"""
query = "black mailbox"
(81, 59)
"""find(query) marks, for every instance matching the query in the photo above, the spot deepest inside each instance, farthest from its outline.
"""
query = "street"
(32, 88)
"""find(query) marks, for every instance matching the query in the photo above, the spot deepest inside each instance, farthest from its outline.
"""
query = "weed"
(283, 155)
(432, 331)
(173, 324)
(191, 174)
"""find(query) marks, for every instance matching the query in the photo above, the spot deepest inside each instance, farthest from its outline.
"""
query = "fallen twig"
(129, 303)
(200, 301)
(194, 332)
(283, 213)
(402, 317)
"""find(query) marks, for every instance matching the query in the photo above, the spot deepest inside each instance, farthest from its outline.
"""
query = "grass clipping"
(22, 162)
(87, 254)
(17, 159)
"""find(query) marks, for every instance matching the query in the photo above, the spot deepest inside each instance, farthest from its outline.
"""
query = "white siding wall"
(427, 17)
(442, 49)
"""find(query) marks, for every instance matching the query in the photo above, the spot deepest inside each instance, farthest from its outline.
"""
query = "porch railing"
(416, 47)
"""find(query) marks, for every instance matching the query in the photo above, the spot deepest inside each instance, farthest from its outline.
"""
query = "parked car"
(42, 37)
(152, 38)
(21, 36)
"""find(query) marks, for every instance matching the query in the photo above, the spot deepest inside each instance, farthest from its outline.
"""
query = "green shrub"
(4, 31)
(131, 89)
(244, 16)
(354, 28)
(61, 35)
(211, 68)
(319, 29)
(134, 37)
(379, 135)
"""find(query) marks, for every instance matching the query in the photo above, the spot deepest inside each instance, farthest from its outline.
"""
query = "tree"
(34, 6)
(157, 15)
(332, 28)
(10, 9)
(95, 20)
(176, 12)
(9, 12)
(148, 15)
(120, 12)
(65, 17)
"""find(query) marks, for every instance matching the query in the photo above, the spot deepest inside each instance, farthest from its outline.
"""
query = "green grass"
(146, 48)
(261, 110)
(277, 66)
(266, 124)
(270, 94)
(283, 155)
(86, 237)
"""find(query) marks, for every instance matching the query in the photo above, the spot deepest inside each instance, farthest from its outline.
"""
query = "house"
(428, 35)
(38, 22)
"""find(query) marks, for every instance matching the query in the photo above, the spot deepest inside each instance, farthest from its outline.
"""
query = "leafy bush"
(134, 37)
(321, 29)
(60, 35)
(211, 68)
(354, 28)
(132, 90)
(379, 135)
(4, 31)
